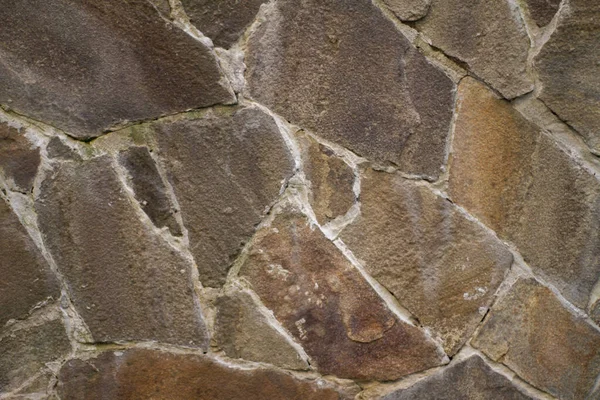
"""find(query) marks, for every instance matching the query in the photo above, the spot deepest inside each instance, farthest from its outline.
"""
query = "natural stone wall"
(316, 199)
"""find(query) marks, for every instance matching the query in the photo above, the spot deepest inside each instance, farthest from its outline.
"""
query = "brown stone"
(325, 303)
(341, 70)
(567, 66)
(86, 66)
(223, 21)
(147, 374)
(441, 266)
(242, 331)
(125, 281)
(489, 36)
(19, 159)
(519, 182)
(150, 191)
(57, 149)
(466, 380)
(408, 10)
(542, 11)
(226, 168)
(536, 336)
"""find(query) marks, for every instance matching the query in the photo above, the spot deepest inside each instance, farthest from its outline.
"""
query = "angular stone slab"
(489, 36)
(223, 21)
(567, 67)
(325, 303)
(86, 66)
(520, 183)
(441, 266)
(57, 149)
(144, 374)
(26, 277)
(468, 379)
(19, 159)
(341, 70)
(226, 167)
(408, 10)
(126, 282)
(542, 11)
(536, 336)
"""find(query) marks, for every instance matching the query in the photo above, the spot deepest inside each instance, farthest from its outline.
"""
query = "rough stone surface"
(542, 11)
(57, 149)
(149, 189)
(467, 380)
(341, 70)
(489, 36)
(126, 283)
(531, 332)
(19, 159)
(241, 147)
(441, 266)
(26, 278)
(520, 183)
(223, 21)
(242, 331)
(147, 374)
(86, 66)
(325, 303)
(595, 312)
(567, 67)
(408, 10)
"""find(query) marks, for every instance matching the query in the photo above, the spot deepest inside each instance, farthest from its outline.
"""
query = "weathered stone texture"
(567, 67)
(57, 149)
(147, 374)
(126, 283)
(86, 66)
(531, 332)
(226, 169)
(488, 35)
(471, 379)
(521, 184)
(326, 304)
(19, 159)
(441, 266)
(542, 11)
(408, 10)
(341, 70)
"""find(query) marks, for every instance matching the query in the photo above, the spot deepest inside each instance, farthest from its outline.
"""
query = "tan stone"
(408, 10)
(19, 159)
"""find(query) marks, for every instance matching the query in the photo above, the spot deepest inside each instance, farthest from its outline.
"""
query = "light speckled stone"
(19, 159)
(408, 10)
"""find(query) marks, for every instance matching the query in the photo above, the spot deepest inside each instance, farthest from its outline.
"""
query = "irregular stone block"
(595, 312)
(150, 191)
(542, 11)
(19, 159)
(240, 146)
(408, 10)
(86, 66)
(531, 332)
(125, 281)
(145, 374)
(223, 21)
(326, 304)
(57, 149)
(26, 276)
(489, 36)
(468, 379)
(520, 183)
(441, 266)
(567, 66)
(341, 70)
(242, 331)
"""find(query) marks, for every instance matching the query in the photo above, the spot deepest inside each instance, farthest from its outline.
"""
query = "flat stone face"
(226, 168)
(468, 379)
(567, 66)
(145, 374)
(57, 149)
(531, 332)
(341, 70)
(26, 277)
(488, 35)
(87, 66)
(441, 266)
(19, 159)
(325, 303)
(518, 181)
(126, 282)
(223, 21)
(408, 10)
(542, 11)
(242, 331)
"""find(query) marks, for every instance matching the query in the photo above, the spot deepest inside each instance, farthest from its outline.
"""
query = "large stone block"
(19, 159)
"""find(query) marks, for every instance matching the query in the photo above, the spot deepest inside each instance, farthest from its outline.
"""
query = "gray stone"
(85, 67)
(341, 70)
(408, 10)
(595, 312)
(489, 36)
(126, 282)
(19, 159)
(57, 149)
(542, 11)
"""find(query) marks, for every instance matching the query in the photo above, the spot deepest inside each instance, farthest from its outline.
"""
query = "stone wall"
(299, 199)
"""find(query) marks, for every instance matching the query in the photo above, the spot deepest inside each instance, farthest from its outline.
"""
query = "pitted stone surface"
(325, 303)
(542, 11)
(441, 266)
(19, 159)
(86, 66)
(125, 281)
(341, 70)
(536, 336)
(408, 10)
